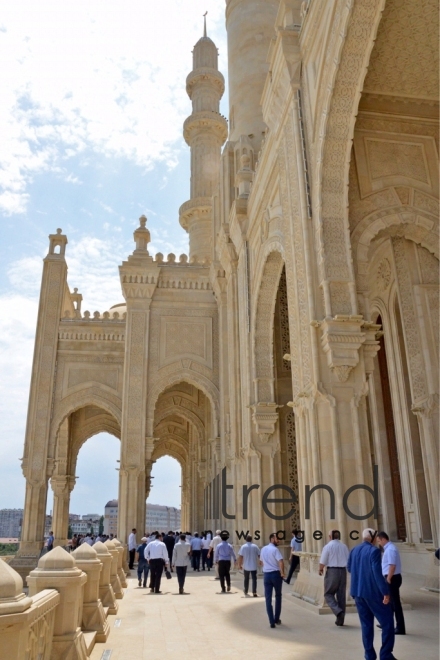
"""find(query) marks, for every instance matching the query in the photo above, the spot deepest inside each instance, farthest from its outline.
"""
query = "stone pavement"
(209, 624)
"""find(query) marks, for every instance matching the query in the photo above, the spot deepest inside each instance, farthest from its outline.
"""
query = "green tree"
(69, 532)
(101, 526)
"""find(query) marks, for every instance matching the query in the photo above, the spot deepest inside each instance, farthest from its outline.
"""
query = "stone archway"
(75, 429)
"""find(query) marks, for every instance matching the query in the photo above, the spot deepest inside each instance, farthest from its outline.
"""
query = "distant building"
(10, 523)
(87, 524)
(111, 517)
(162, 518)
(159, 517)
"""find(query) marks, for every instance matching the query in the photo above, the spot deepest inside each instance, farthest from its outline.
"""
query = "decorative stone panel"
(185, 338)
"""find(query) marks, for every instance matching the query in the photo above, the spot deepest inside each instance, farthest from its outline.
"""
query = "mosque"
(297, 344)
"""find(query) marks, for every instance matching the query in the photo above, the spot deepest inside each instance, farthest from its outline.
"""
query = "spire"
(205, 34)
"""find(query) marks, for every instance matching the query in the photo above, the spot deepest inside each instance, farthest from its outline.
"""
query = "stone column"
(121, 573)
(62, 486)
(93, 616)
(114, 577)
(57, 570)
(35, 465)
(106, 593)
(139, 277)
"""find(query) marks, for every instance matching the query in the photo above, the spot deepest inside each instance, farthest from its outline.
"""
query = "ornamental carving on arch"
(349, 50)
(263, 327)
(383, 275)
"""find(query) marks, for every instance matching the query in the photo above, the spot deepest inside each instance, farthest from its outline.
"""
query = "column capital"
(265, 418)
(341, 340)
(62, 485)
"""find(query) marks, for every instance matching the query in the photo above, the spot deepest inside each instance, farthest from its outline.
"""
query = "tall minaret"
(205, 131)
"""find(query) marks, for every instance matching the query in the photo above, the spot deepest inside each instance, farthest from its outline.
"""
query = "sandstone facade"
(298, 344)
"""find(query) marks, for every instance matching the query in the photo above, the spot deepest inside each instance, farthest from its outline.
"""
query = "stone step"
(90, 638)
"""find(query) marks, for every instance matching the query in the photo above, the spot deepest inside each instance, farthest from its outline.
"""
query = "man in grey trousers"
(335, 556)
(180, 560)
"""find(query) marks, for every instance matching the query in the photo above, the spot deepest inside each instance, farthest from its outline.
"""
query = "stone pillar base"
(93, 620)
(122, 578)
(69, 647)
(116, 585)
(108, 598)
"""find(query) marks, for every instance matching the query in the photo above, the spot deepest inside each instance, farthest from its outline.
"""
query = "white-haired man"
(335, 556)
(212, 546)
(372, 595)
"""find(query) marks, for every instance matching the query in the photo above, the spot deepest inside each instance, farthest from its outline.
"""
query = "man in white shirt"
(132, 545)
(181, 552)
(212, 546)
(392, 572)
(156, 554)
(335, 556)
(273, 574)
(248, 558)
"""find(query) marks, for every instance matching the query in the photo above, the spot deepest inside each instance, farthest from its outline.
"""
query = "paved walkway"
(206, 624)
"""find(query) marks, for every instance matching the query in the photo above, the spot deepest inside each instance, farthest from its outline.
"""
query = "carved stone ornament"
(265, 418)
(383, 275)
(341, 340)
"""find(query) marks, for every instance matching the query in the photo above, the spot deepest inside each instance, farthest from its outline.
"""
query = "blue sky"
(92, 105)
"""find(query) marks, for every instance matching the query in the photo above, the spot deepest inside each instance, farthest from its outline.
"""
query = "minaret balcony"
(205, 122)
(199, 208)
(205, 76)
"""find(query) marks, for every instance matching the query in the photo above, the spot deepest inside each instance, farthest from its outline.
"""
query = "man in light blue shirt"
(248, 558)
(196, 551)
(392, 572)
(223, 556)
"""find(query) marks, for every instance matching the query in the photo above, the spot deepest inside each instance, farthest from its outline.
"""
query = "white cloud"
(106, 75)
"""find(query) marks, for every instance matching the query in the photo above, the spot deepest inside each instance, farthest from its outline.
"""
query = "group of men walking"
(375, 578)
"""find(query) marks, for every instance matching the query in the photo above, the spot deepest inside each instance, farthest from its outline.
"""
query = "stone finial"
(142, 236)
(99, 548)
(205, 33)
(57, 244)
(183, 259)
(159, 257)
(12, 598)
(56, 560)
(171, 258)
(85, 552)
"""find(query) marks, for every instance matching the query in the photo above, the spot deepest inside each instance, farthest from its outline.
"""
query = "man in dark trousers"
(157, 556)
(392, 572)
(224, 555)
(143, 566)
(169, 541)
(372, 595)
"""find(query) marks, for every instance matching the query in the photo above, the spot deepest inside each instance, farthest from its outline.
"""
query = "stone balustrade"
(308, 587)
(57, 570)
(106, 593)
(114, 577)
(26, 624)
(93, 615)
(121, 572)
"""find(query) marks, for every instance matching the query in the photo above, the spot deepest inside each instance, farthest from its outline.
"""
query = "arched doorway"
(77, 428)
(164, 500)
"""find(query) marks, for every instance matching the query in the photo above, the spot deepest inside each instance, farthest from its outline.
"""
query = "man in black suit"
(169, 541)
